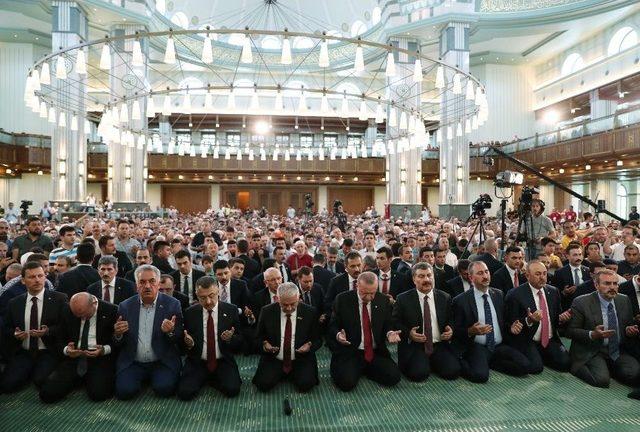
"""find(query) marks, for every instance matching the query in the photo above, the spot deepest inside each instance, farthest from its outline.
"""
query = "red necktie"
(366, 331)
(544, 330)
(385, 284)
(286, 353)
(516, 283)
(107, 294)
(212, 361)
(427, 330)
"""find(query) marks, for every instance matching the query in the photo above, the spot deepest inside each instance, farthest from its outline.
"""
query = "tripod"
(480, 228)
(524, 232)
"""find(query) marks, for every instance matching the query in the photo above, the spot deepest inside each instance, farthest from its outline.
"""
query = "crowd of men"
(109, 305)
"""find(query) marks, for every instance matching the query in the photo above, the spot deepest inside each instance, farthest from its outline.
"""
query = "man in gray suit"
(600, 329)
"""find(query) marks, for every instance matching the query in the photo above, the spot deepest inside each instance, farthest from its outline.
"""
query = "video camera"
(481, 204)
(25, 208)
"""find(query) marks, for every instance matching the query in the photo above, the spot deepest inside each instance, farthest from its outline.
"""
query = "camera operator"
(340, 217)
(540, 225)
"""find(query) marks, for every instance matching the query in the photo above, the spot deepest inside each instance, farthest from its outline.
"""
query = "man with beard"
(33, 238)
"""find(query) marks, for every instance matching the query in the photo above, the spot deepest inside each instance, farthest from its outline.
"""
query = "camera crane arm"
(549, 180)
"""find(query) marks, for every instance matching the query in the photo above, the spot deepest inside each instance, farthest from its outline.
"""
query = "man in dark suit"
(406, 260)
(460, 283)
(588, 286)
(360, 327)
(82, 275)
(107, 246)
(600, 329)
(424, 318)
(343, 282)
(272, 280)
(290, 353)
(510, 275)
(32, 324)
(489, 257)
(479, 330)
(111, 288)
(161, 254)
(86, 334)
(311, 294)
(321, 275)
(186, 276)
(567, 278)
(148, 331)
(257, 283)
(391, 282)
(537, 305)
(142, 257)
(443, 272)
(251, 266)
(211, 337)
(280, 256)
(333, 264)
(167, 286)
(631, 289)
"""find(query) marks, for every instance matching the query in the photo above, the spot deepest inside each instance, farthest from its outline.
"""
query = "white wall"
(379, 198)
(30, 187)
(154, 195)
(15, 61)
(322, 198)
(510, 98)
(215, 196)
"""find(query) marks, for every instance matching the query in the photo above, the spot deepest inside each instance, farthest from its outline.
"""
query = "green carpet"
(549, 402)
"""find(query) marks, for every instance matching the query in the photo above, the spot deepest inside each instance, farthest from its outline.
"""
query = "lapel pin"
(224, 314)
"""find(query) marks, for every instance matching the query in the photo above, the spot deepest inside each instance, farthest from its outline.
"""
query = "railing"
(520, 5)
(25, 140)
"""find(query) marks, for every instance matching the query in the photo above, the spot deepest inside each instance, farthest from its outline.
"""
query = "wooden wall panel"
(276, 199)
(354, 199)
(187, 198)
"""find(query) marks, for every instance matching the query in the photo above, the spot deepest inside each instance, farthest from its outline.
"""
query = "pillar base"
(397, 210)
(460, 211)
(130, 206)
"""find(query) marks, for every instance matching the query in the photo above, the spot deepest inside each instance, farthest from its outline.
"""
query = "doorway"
(243, 200)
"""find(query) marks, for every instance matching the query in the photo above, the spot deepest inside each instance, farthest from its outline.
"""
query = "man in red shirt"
(555, 216)
(570, 215)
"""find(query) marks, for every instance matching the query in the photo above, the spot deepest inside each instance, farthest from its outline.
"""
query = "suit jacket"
(338, 284)
(164, 346)
(465, 314)
(518, 300)
(260, 299)
(402, 268)
(398, 283)
(54, 306)
(123, 290)
(124, 263)
(407, 314)
(177, 280)
(346, 315)
(502, 280)
(322, 276)
(257, 283)
(130, 276)
(563, 278)
(162, 265)
(182, 298)
(395, 262)
(339, 267)
(587, 287)
(227, 318)
(251, 266)
(287, 270)
(306, 329)
(441, 277)
(629, 290)
(77, 279)
(106, 316)
(317, 298)
(492, 263)
(454, 287)
(586, 315)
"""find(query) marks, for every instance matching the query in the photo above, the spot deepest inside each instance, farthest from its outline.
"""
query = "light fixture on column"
(35, 80)
(295, 124)
(151, 106)
(324, 102)
(344, 109)
(52, 115)
(45, 74)
(166, 106)
(141, 142)
(478, 97)
(136, 57)
(285, 58)
(74, 122)
(170, 50)
(62, 167)
(457, 84)
(244, 123)
(105, 57)
(124, 112)
(470, 91)
(62, 119)
(403, 175)
(323, 59)
(217, 121)
(246, 56)
(186, 103)
(322, 123)
(277, 105)
(81, 62)
(467, 126)
(379, 112)
(474, 122)
(192, 151)
(298, 156)
(348, 126)
(161, 6)
(363, 116)
(302, 104)
(587, 167)
(358, 64)
(619, 163)
(439, 136)
(61, 67)
(275, 155)
(449, 133)
(287, 156)
(207, 49)
(460, 173)
(417, 69)
(43, 110)
(393, 117)
(135, 110)
(255, 102)
(390, 70)
(231, 99)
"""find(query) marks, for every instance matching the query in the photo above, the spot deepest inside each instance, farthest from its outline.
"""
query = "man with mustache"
(33, 238)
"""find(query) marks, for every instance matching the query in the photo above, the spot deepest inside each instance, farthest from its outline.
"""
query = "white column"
(601, 107)
(68, 148)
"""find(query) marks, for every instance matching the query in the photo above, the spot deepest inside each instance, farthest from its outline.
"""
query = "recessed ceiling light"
(180, 177)
(298, 178)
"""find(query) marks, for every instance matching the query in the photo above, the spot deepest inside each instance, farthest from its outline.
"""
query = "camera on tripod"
(336, 205)
(480, 205)
(25, 208)
(308, 203)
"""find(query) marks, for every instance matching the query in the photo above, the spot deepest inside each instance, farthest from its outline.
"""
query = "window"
(282, 140)
(330, 141)
(306, 140)
(296, 93)
(209, 139)
(357, 28)
(303, 43)
(622, 200)
(243, 87)
(351, 90)
(233, 139)
(180, 19)
(236, 39)
(257, 139)
(354, 140)
(572, 64)
(624, 39)
(271, 42)
(376, 15)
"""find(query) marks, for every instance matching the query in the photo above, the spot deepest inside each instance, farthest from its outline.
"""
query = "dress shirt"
(497, 335)
(93, 341)
(283, 323)
(144, 351)
(350, 281)
(373, 341)
(573, 272)
(283, 272)
(512, 273)
(604, 304)
(112, 289)
(205, 318)
(272, 296)
(27, 318)
(537, 335)
(636, 287)
(466, 286)
(380, 281)
(435, 329)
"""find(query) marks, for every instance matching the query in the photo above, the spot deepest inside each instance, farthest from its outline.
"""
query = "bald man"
(86, 334)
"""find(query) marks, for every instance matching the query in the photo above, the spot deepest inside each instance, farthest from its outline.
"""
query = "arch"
(350, 88)
(303, 43)
(180, 19)
(622, 199)
(236, 39)
(357, 28)
(192, 82)
(573, 63)
(623, 39)
(271, 42)
(376, 15)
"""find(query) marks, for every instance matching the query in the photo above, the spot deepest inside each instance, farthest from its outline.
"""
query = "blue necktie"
(488, 320)
(612, 324)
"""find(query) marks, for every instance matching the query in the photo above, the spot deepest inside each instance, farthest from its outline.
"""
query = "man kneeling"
(290, 338)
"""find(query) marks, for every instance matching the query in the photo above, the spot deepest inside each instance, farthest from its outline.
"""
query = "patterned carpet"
(549, 402)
